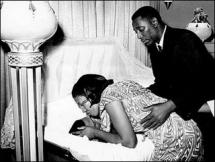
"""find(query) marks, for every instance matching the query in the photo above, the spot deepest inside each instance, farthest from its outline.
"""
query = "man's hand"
(158, 115)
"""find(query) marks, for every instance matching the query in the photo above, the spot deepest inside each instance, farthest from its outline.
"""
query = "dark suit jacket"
(184, 71)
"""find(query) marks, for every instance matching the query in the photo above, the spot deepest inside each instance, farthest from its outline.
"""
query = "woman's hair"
(91, 86)
(147, 12)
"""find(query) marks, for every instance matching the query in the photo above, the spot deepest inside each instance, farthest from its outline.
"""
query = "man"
(181, 64)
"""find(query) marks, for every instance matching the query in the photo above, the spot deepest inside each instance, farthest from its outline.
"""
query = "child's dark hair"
(91, 86)
(76, 125)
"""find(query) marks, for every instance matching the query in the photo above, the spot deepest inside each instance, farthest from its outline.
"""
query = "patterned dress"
(175, 140)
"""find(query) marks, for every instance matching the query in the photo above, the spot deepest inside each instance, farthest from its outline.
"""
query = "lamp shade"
(27, 21)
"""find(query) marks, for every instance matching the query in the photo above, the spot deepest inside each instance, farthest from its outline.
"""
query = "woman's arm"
(87, 121)
(121, 124)
(125, 134)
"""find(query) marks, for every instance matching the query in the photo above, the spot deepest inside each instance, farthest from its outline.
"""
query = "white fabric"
(85, 150)
(73, 58)
(92, 19)
(5, 92)
(64, 65)
(60, 116)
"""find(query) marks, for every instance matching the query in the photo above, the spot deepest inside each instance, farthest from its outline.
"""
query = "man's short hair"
(147, 12)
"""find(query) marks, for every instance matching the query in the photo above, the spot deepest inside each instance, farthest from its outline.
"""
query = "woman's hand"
(88, 121)
(85, 131)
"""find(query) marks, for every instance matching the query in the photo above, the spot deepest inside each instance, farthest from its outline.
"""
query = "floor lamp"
(25, 26)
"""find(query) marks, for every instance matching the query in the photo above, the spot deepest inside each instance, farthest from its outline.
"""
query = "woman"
(116, 110)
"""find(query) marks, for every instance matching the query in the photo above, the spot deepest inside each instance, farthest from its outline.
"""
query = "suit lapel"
(168, 41)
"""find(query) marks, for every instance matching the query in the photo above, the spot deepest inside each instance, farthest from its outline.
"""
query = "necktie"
(159, 48)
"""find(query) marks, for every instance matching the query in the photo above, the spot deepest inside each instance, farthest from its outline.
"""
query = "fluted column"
(25, 26)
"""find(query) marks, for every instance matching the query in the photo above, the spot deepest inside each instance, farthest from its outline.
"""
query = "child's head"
(76, 125)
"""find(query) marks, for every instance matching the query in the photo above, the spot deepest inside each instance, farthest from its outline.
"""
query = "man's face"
(145, 30)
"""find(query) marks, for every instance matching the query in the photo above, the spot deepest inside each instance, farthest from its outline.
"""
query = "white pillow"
(85, 150)
(61, 114)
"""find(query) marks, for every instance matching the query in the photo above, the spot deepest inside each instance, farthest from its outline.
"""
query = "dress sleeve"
(110, 94)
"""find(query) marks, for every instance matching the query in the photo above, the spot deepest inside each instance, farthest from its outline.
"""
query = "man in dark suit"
(181, 64)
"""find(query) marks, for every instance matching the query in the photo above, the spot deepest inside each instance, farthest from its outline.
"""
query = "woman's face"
(85, 105)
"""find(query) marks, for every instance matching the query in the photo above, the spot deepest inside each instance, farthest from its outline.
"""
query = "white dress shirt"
(160, 44)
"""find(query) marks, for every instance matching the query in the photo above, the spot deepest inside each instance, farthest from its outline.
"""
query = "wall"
(180, 13)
